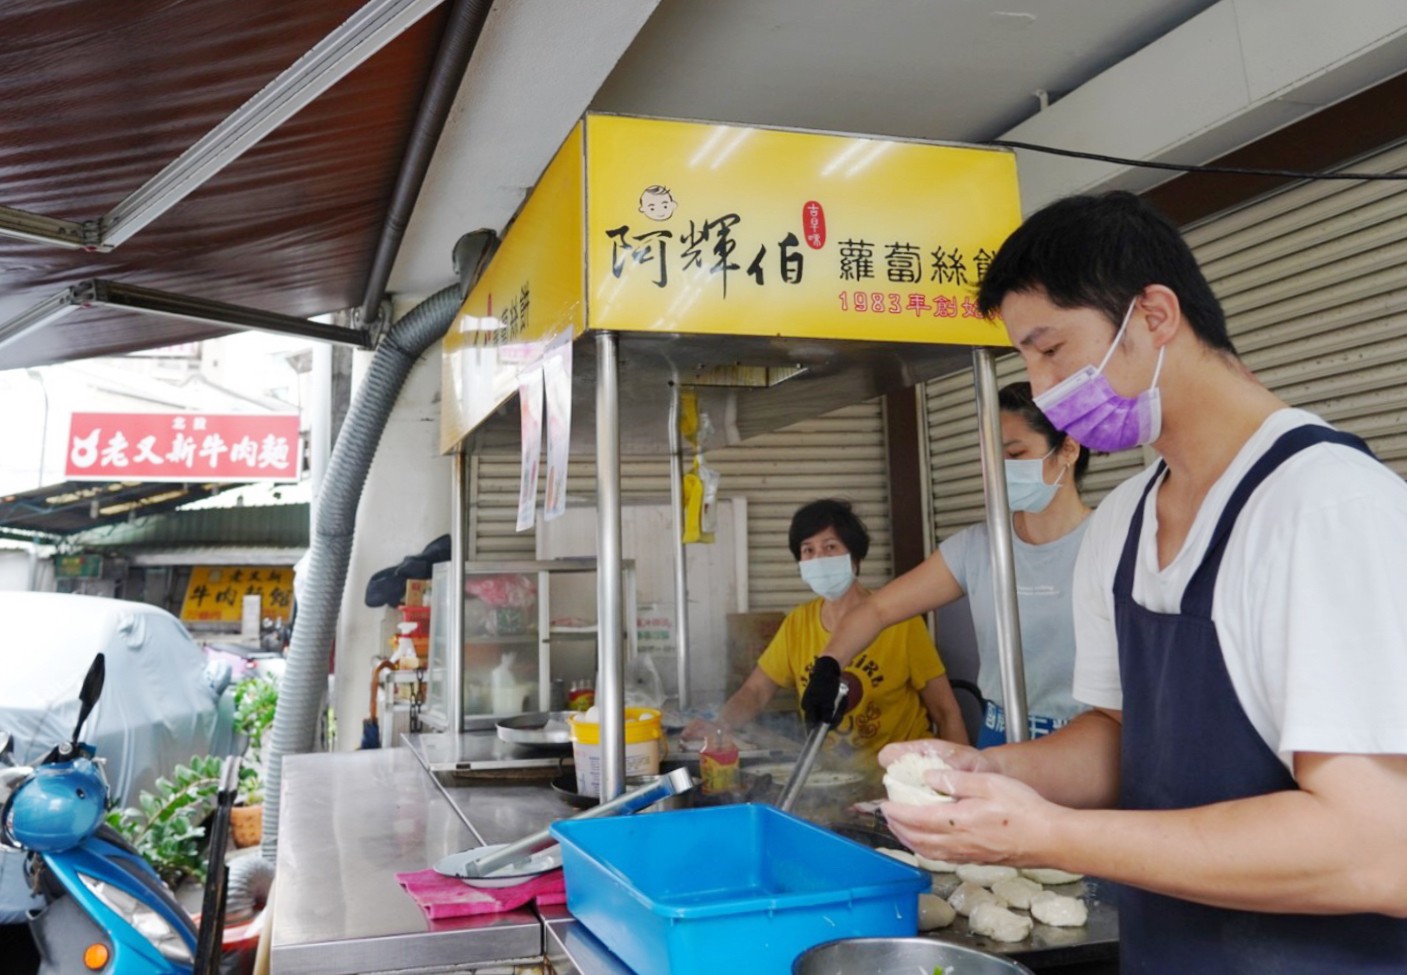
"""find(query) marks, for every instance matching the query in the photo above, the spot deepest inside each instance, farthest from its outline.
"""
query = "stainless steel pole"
(610, 661)
(454, 633)
(989, 429)
(676, 501)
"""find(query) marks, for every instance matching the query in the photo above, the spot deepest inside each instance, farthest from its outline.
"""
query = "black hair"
(1016, 398)
(829, 513)
(1100, 252)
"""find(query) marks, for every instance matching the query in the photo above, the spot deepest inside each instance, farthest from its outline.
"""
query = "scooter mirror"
(88, 696)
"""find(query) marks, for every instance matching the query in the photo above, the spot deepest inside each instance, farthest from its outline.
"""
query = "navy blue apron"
(1187, 742)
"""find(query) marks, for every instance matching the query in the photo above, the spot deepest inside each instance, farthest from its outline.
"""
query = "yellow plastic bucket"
(644, 747)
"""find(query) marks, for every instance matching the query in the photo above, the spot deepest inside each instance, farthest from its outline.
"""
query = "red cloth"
(441, 897)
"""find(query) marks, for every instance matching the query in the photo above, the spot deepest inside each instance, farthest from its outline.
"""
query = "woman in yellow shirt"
(897, 684)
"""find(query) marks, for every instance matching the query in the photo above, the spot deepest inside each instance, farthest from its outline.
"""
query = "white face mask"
(1026, 489)
(829, 577)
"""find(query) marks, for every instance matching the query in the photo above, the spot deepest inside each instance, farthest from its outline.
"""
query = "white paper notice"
(530, 397)
(557, 376)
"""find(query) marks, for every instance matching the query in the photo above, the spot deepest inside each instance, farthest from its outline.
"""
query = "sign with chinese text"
(530, 295)
(688, 228)
(215, 593)
(182, 447)
(78, 566)
(729, 230)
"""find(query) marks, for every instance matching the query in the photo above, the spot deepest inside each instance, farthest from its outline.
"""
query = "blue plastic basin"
(735, 889)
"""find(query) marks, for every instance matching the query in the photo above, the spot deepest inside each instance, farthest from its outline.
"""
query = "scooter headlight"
(145, 921)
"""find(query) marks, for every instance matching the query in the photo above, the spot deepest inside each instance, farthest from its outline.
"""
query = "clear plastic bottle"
(503, 687)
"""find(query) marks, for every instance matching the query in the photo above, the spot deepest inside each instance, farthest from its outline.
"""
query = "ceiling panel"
(98, 101)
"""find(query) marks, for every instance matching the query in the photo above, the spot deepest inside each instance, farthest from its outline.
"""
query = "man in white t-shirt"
(1240, 627)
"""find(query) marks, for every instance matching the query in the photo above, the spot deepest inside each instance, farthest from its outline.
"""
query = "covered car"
(160, 705)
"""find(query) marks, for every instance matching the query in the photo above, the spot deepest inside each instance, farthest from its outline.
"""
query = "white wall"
(14, 570)
(405, 505)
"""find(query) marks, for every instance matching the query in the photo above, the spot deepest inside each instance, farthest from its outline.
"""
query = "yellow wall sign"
(215, 593)
(729, 230)
(649, 225)
(529, 297)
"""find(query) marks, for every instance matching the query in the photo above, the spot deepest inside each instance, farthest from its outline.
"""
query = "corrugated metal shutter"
(955, 466)
(1314, 283)
(840, 454)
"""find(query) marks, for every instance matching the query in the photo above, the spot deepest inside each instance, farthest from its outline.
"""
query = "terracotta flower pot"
(247, 825)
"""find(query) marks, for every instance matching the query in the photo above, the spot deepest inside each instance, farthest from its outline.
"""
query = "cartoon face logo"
(657, 203)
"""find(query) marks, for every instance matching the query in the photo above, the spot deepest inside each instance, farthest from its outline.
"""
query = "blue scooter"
(106, 912)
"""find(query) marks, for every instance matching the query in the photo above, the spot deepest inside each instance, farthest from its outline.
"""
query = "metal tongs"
(810, 751)
(669, 784)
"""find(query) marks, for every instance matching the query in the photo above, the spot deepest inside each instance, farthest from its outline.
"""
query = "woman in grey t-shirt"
(1044, 468)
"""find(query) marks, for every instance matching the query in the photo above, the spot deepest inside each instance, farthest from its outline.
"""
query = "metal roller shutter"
(840, 454)
(1314, 283)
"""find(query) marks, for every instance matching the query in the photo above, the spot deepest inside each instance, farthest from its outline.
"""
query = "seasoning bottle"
(718, 764)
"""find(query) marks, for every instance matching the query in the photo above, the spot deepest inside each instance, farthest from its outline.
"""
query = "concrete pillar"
(405, 504)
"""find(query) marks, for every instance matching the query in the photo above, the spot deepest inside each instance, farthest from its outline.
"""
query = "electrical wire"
(1181, 168)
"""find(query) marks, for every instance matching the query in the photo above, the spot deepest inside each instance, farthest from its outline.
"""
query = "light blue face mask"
(829, 577)
(1026, 489)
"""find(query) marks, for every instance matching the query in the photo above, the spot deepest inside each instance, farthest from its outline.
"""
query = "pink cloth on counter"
(441, 897)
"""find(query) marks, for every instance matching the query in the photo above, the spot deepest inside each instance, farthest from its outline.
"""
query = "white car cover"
(158, 707)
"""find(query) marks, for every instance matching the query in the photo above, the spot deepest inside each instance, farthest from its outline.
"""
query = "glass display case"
(525, 623)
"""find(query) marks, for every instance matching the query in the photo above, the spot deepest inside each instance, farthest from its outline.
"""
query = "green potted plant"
(256, 700)
(168, 826)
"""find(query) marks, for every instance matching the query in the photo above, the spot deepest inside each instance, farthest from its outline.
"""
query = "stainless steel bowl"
(900, 956)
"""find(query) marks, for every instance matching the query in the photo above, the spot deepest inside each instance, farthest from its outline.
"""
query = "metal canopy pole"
(676, 500)
(610, 663)
(989, 429)
(454, 633)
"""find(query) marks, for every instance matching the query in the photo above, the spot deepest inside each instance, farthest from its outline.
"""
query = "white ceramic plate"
(818, 779)
(506, 876)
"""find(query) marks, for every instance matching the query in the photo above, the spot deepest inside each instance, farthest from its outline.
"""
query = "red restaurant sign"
(183, 447)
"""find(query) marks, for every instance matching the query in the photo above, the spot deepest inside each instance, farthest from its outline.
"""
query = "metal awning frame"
(102, 293)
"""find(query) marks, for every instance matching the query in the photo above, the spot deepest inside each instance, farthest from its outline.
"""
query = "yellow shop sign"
(729, 230)
(666, 227)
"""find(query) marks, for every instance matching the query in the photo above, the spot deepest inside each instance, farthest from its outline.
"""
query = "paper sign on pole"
(530, 396)
(557, 378)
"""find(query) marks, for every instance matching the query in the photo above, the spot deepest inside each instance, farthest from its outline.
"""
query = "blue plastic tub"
(733, 889)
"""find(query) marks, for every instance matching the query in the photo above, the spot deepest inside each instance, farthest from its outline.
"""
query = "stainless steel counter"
(352, 821)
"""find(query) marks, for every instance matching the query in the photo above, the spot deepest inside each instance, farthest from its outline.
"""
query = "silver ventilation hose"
(250, 879)
(304, 681)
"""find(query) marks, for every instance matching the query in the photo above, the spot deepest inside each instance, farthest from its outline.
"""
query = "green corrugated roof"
(278, 526)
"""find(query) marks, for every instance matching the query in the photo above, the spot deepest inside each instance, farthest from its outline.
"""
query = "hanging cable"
(1182, 168)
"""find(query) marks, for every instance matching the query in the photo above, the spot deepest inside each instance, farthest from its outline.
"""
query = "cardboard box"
(417, 592)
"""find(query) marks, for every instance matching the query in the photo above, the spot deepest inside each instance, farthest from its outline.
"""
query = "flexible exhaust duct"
(304, 681)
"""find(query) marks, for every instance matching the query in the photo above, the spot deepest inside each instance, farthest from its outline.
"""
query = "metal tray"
(543, 729)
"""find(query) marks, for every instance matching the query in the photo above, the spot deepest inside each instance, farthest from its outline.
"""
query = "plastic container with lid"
(644, 746)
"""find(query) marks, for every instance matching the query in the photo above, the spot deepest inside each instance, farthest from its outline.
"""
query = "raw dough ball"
(903, 779)
(1016, 891)
(968, 896)
(934, 912)
(1050, 876)
(1058, 910)
(999, 924)
(981, 873)
(903, 856)
(935, 866)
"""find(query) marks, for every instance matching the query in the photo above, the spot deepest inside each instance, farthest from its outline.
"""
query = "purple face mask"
(1086, 407)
